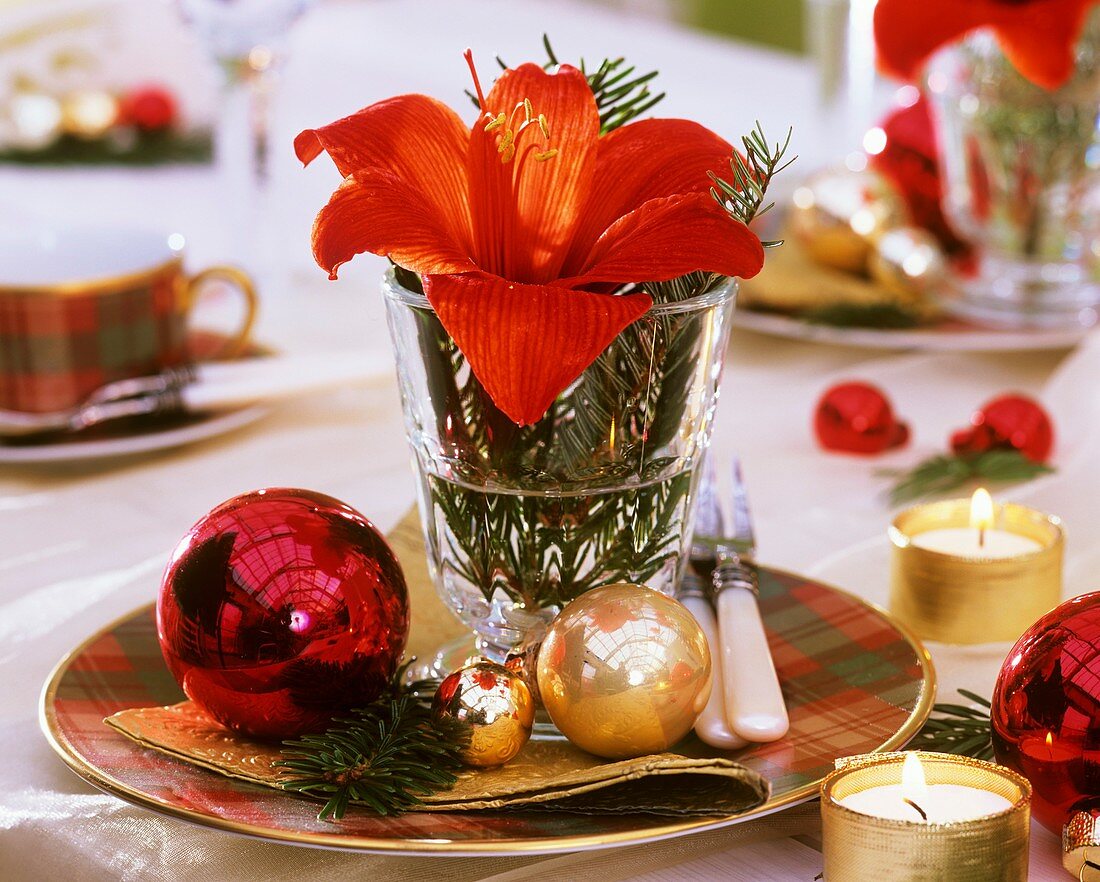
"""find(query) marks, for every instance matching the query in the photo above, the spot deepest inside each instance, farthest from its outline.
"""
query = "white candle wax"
(963, 542)
(941, 802)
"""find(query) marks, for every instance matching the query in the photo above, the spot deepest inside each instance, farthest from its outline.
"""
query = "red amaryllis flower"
(522, 223)
(1037, 36)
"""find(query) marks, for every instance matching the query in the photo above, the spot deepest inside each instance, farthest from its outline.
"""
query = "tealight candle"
(924, 817)
(915, 800)
(970, 571)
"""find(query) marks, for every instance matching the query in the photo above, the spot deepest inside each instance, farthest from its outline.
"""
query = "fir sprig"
(958, 729)
(743, 198)
(944, 472)
(386, 757)
(890, 316)
(620, 96)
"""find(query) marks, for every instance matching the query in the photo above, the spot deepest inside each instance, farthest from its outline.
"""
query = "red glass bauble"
(149, 108)
(1046, 711)
(281, 608)
(857, 418)
(1011, 422)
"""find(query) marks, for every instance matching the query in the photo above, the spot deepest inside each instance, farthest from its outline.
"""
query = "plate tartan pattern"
(853, 681)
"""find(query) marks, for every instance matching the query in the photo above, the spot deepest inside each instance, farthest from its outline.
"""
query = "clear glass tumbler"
(519, 521)
(1022, 183)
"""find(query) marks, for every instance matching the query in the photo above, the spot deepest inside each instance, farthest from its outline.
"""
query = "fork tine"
(709, 522)
(742, 517)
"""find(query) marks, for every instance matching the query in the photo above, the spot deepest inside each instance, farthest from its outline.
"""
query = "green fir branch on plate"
(743, 197)
(620, 95)
(944, 473)
(385, 757)
(958, 729)
(881, 316)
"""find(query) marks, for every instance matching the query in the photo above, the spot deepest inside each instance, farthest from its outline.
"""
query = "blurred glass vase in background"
(1022, 183)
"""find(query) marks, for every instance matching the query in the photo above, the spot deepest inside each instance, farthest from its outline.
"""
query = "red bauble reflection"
(1046, 711)
(281, 608)
(857, 418)
(1010, 422)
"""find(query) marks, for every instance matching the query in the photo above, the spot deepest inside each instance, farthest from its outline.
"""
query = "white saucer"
(199, 428)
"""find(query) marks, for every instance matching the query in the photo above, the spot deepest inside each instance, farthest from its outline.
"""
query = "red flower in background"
(909, 161)
(1037, 36)
(520, 224)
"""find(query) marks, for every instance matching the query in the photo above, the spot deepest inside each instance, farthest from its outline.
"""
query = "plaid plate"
(852, 681)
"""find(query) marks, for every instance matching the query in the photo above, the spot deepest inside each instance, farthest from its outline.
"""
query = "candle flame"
(1050, 739)
(913, 785)
(981, 509)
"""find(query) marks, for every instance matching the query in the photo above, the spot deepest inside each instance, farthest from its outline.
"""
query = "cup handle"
(243, 283)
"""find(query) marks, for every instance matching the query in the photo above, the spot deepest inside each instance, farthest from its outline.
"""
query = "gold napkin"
(546, 774)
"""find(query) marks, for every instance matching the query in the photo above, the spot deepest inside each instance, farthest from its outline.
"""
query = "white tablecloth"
(81, 544)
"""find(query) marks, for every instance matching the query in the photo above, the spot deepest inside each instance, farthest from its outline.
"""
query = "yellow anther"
(549, 154)
(494, 123)
(543, 125)
(528, 111)
(507, 153)
(506, 141)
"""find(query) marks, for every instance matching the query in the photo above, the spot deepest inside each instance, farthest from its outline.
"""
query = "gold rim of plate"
(413, 847)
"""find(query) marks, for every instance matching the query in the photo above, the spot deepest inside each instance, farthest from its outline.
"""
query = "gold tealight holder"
(971, 595)
(990, 846)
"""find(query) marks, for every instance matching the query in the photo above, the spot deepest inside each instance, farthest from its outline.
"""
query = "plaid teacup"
(80, 308)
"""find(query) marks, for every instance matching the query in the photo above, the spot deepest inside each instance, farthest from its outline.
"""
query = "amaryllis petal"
(375, 211)
(527, 343)
(419, 140)
(670, 237)
(1041, 45)
(529, 190)
(642, 161)
(1037, 35)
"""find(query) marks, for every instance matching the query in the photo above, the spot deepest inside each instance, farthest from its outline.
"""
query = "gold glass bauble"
(490, 707)
(523, 662)
(88, 114)
(837, 215)
(624, 671)
(907, 262)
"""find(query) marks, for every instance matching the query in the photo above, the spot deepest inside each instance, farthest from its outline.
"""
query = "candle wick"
(923, 814)
(981, 537)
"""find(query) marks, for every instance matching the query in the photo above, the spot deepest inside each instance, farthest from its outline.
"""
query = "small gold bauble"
(624, 671)
(88, 113)
(523, 662)
(838, 214)
(491, 708)
(907, 262)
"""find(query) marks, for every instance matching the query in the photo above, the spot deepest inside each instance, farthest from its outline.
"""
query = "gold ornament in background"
(88, 113)
(624, 671)
(491, 707)
(33, 121)
(907, 261)
(838, 214)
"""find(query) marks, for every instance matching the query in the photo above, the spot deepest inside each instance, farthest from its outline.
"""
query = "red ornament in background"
(149, 108)
(1010, 422)
(1046, 711)
(857, 418)
(281, 608)
(910, 162)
